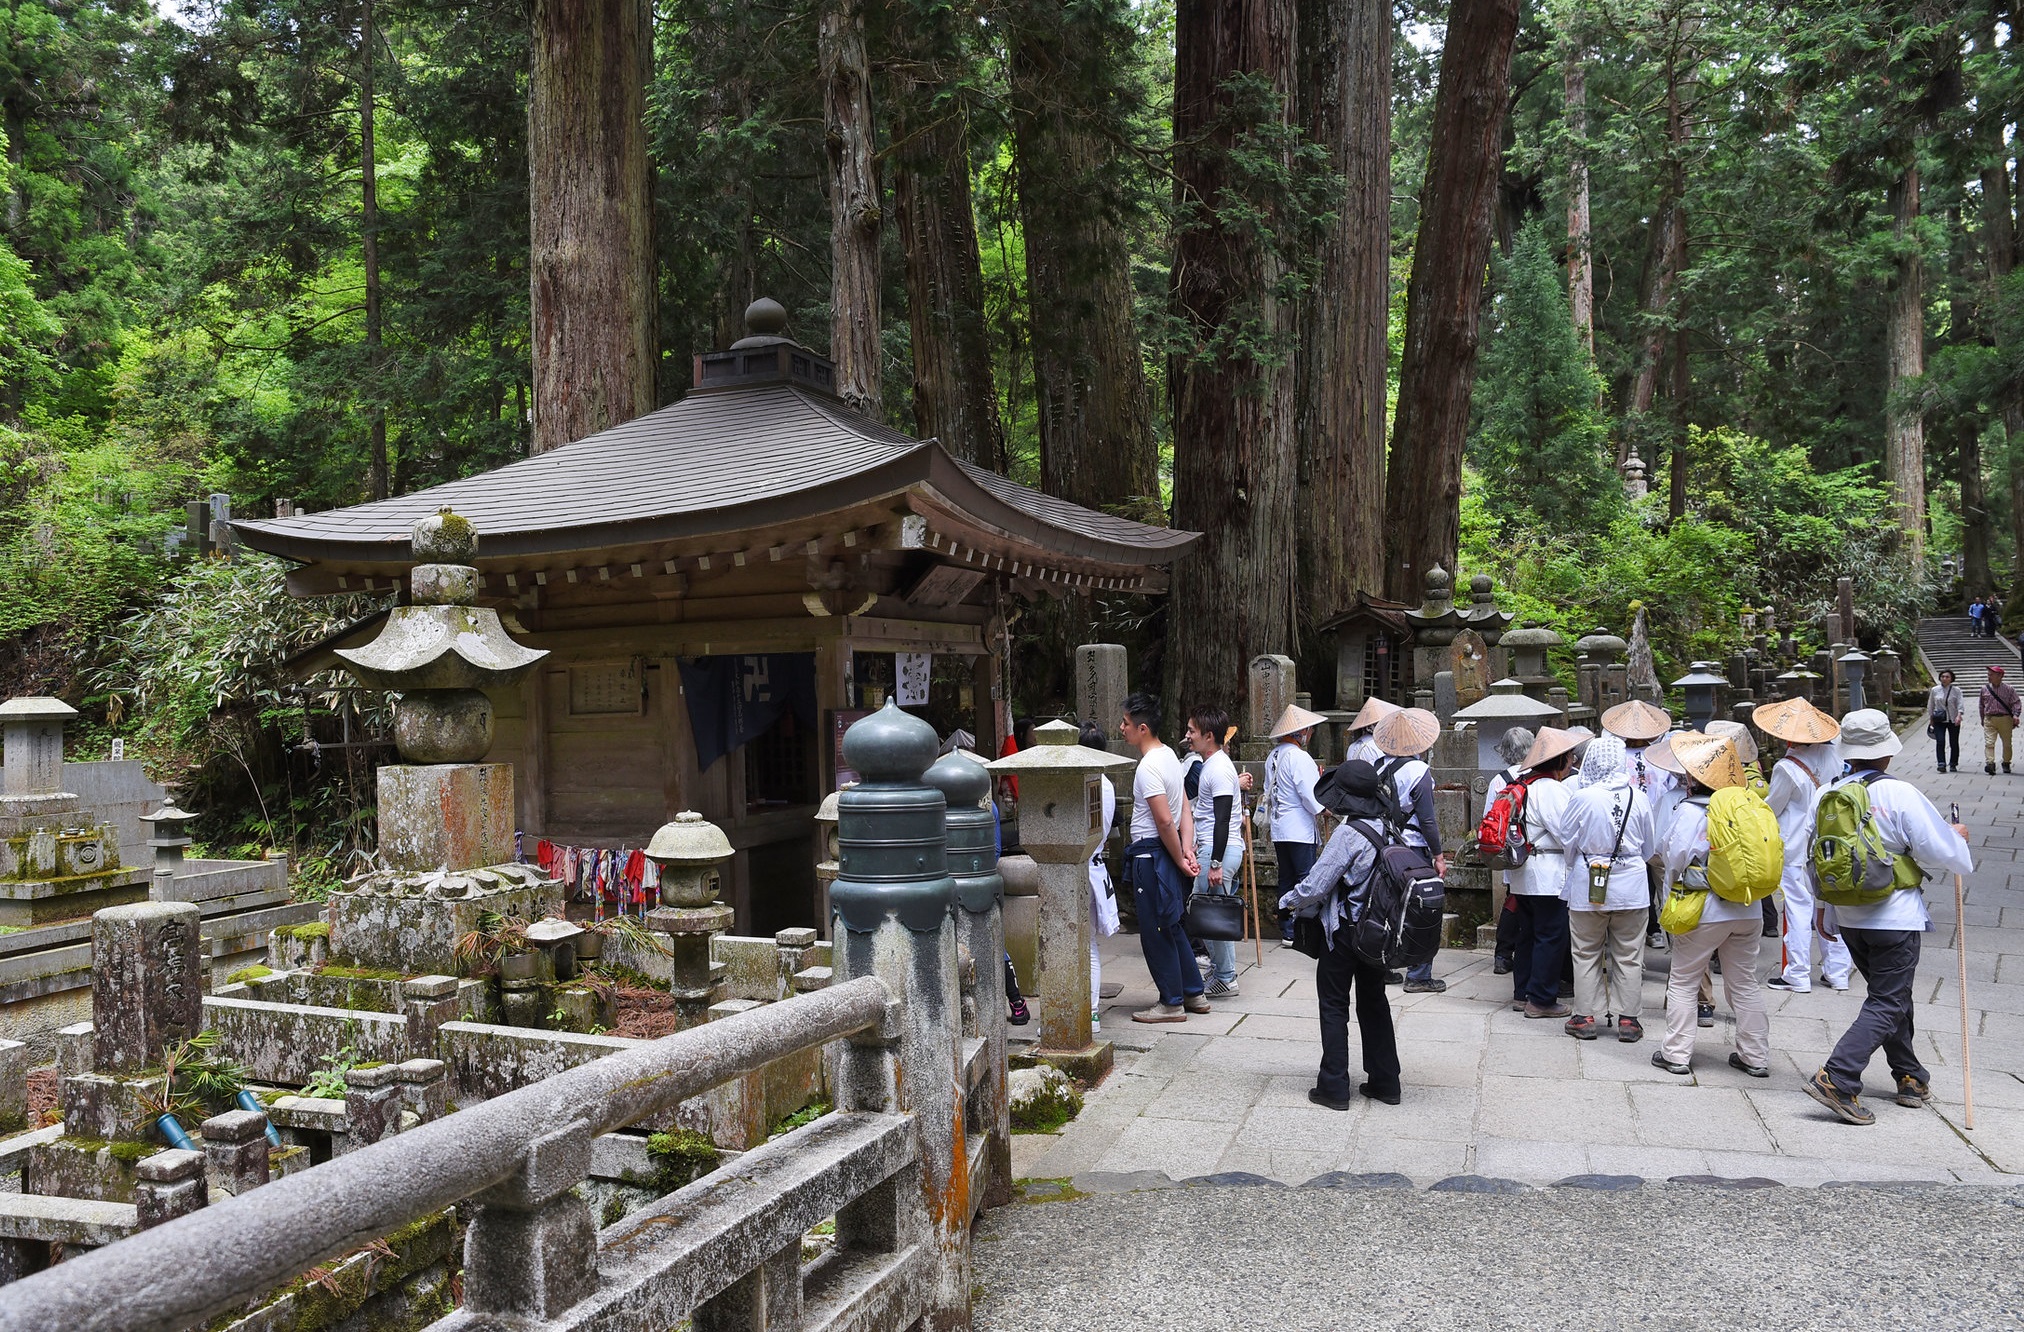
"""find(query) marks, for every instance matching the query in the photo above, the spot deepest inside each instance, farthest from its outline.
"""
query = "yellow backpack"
(1754, 776)
(1746, 855)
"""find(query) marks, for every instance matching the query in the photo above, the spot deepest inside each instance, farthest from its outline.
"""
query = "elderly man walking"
(2000, 710)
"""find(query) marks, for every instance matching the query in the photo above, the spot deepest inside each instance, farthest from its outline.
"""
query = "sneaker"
(1848, 1108)
(1553, 1011)
(1096, 1022)
(1314, 1095)
(1395, 978)
(1840, 988)
(1219, 989)
(1780, 983)
(1629, 1030)
(1656, 940)
(1704, 1015)
(1426, 987)
(1518, 1005)
(1161, 1013)
(1500, 966)
(1659, 1060)
(1580, 1028)
(1195, 1003)
(1911, 1092)
(1754, 1070)
(1019, 1016)
(1367, 1090)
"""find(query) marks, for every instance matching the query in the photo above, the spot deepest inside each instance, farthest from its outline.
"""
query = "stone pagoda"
(445, 817)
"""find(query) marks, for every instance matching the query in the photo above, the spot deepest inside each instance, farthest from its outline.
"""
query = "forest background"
(1353, 288)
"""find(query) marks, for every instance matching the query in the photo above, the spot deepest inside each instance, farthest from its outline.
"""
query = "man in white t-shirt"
(1219, 842)
(1160, 861)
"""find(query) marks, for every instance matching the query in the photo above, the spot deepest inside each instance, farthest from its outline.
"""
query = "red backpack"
(1501, 835)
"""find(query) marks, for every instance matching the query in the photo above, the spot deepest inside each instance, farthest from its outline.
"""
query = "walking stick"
(1961, 957)
(1251, 895)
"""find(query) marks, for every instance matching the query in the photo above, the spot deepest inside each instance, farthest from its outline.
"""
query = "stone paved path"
(1490, 1093)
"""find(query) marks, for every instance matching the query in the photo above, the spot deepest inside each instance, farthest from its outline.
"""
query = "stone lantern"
(1061, 789)
(1506, 707)
(1635, 482)
(1700, 685)
(827, 852)
(168, 838)
(1885, 674)
(1853, 668)
(1796, 683)
(34, 754)
(1483, 614)
(1436, 622)
(691, 853)
(1528, 647)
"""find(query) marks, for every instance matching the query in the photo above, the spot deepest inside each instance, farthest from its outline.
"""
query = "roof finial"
(765, 318)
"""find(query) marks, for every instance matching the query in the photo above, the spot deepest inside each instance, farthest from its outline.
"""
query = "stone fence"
(725, 1251)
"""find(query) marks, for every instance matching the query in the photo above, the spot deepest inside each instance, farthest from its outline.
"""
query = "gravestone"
(1445, 701)
(1102, 679)
(1270, 690)
(34, 747)
(1844, 600)
(147, 983)
(1469, 662)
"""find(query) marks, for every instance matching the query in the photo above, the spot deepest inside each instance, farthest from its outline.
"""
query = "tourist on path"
(1162, 861)
(2000, 711)
(1611, 834)
(1290, 806)
(1728, 929)
(1810, 763)
(1975, 625)
(1335, 890)
(1639, 725)
(1405, 737)
(1663, 756)
(1539, 955)
(1753, 777)
(1884, 937)
(1359, 740)
(1944, 705)
(1102, 893)
(1219, 842)
(1512, 747)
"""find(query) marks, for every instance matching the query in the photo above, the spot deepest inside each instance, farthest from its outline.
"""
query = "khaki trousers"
(1737, 942)
(1608, 962)
(1993, 728)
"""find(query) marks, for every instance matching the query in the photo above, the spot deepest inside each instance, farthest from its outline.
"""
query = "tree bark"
(856, 211)
(1345, 65)
(1096, 435)
(1233, 400)
(1444, 298)
(1666, 260)
(1580, 257)
(1904, 462)
(592, 255)
(1999, 256)
(378, 475)
(1676, 496)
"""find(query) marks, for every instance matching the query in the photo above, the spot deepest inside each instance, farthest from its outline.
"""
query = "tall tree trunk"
(954, 397)
(1999, 255)
(1975, 578)
(1904, 459)
(1444, 298)
(1580, 256)
(1345, 68)
(1233, 400)
(1676, 496)
(856, 209)
(1068, 84)
(1666, 259)
(368, 227)
(592, 255)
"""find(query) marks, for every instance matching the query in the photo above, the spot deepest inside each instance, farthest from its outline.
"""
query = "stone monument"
(1270, 690)
(691, 852)
(1102, 680)
(57, 860)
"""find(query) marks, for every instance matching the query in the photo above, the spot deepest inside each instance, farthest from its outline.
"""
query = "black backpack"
(1400, 923)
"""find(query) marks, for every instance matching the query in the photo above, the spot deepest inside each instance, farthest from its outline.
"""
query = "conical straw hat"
(1710, 759)
(1662, 754)
(1796, 722)
(1408, 732)
(1295, 718)
(1739, 735)
(1549, 744)
(1637, 721)
(1373, 711)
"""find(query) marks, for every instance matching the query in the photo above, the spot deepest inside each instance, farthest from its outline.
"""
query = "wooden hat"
(1796, 722)
(1738, 734)
(1373, 711)
(1295, 718)
(1664, 755)
(1408, 733)
(1710, 760)
(1549, 744)
(1637, 722)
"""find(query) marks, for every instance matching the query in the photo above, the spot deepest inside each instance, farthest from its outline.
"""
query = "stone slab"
(445, 815)
(147, 983)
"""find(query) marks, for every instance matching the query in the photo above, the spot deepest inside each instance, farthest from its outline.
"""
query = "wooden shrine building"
(724, 585)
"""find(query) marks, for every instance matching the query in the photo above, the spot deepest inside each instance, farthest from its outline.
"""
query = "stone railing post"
(168, 1185)
(894, 919)
(531, 1250)
(236, 1150)
(980, 927)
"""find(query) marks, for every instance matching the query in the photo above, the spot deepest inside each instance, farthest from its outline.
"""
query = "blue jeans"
(1295, 860)
(1222, 952)
(1536, 957)
(1159, 890)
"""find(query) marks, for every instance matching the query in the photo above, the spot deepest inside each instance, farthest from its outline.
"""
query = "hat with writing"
(1550, 744)
(1373, 711)
(1796, 722)
(1637, 721)
(1294, 720)
(1710, 760)
(1739, 735)
(1867, 734)
(1408, 733)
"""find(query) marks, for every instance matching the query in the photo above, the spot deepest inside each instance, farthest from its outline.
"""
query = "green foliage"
(806, 1115)
(328, 1080)
(680, 1157)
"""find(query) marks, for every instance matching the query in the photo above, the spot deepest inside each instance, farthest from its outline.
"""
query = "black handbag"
(1309, 938)
(1214, 916)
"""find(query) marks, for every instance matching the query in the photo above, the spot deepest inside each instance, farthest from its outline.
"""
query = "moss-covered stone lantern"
(691, 853)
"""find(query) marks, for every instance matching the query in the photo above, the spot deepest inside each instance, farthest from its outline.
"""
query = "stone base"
(402, 922)
(455, 816)
(39, 901)
(85, 1168)
(1086, 1065)
(110, 1109)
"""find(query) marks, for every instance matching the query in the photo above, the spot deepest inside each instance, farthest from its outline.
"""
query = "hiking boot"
(1387, 1097)
(1314, 1095)
(2006, 768)
(1161, 1013)
(1754, 1070)
(1426, 987)
(1018, 1016)
(1989, 768)
(1221, 989)
(1552, 1011)
(1704, 1015)
(1780, 983)
(1912, 1093)
(1580, 1028)
(1629, 1030)
(1848, 1108)
(1395, 978)
(1659, 1060)
(1195, 1003)
(1500, 966)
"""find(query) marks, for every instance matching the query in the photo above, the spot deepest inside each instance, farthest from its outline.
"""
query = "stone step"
(35, 1216)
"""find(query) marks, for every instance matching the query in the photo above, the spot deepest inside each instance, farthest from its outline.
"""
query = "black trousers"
(1507, 928)
(1336, 974)
(1889, 961)
(1946, 734)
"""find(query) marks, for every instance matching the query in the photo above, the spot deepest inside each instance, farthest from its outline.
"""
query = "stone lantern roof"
(35, 710)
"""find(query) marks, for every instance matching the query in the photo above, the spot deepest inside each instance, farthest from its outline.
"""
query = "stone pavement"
(1491, 1093)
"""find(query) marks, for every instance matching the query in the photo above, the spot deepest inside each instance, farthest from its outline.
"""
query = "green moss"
(132, 1153)
(359, 973)
(12, 929)
(243, 974)
(315, 929)
(1044, 1191)
(1055, 1106)
(614, 1211)
(680, 1158)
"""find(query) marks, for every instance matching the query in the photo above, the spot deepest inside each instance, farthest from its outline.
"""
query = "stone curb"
(1139, 1181)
